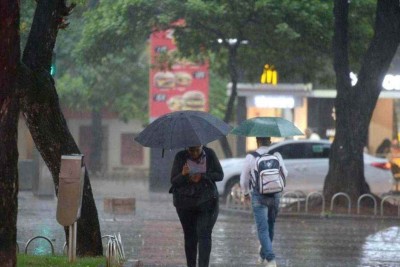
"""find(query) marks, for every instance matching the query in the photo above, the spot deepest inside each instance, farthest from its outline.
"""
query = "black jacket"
(195, 193)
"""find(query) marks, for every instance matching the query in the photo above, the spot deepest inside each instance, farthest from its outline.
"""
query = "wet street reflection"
(154, 235)
(383, 247)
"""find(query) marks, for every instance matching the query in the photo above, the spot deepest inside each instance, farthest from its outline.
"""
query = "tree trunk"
(96, 143)
(40, 106)
(355, 105)
(52, 138)
(233, 72)
(9, 111)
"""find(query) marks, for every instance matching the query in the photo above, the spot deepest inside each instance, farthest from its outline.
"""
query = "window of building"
(131, 152)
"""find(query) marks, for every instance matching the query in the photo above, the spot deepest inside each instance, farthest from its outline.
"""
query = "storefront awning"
(273, 96)
(331, 93)
(296, 91)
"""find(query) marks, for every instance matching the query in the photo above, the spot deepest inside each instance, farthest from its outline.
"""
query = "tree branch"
(50, 16)
(383, 45)
(39, 105)
(46, 123)
(377, 59)
(340, 45)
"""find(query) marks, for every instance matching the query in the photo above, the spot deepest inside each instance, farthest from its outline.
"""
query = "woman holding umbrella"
(193, 176)
(194, 173)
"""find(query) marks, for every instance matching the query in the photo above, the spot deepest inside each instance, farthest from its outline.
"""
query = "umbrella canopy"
(267, 127)
(182, 129)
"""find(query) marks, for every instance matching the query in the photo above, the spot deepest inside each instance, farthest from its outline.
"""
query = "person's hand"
(195, 178)
(185, 169)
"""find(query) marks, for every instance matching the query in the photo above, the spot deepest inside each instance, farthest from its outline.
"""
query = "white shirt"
(249, 166)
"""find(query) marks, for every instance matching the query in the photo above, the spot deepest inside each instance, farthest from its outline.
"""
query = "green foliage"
(295, 36)
(116, 82)
(59, 261)
(27, 8)
(217, 95)
(361, 30)
(282, 33)
(104, 64)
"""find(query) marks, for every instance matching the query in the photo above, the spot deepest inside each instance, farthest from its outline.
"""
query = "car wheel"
(232, 189)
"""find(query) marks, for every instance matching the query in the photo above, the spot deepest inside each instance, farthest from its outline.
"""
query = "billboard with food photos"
(183, 85)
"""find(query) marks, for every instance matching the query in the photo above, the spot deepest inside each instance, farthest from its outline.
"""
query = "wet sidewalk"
(153, 233)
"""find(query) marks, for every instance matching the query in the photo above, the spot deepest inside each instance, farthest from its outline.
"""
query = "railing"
(290, 197)
(318, 194)
(39, 237)
(291, 193)
(115, 254)
(364, 196)
(342, 194)
(395, 197)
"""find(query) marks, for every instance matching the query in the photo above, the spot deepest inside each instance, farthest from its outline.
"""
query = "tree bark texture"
(233, 72)
(44, 118)
(9, 111)
(355, 104)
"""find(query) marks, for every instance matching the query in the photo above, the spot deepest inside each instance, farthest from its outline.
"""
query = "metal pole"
(72, 242)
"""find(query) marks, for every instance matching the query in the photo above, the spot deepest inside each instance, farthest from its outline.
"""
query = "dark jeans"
(197, 224)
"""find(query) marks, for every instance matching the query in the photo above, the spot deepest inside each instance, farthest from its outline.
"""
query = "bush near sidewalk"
(57, 261)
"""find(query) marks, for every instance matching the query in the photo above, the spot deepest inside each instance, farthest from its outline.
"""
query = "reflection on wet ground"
(387, 242)
(153, 233)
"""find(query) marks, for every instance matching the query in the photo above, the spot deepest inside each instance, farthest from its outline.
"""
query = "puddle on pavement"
(382, 246)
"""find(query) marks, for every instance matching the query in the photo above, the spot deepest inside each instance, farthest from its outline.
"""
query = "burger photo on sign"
(193, 100)
(175, 103)
(183, 79)
(164, 80)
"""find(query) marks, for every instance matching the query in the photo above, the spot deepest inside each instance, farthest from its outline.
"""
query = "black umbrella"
(182, 129)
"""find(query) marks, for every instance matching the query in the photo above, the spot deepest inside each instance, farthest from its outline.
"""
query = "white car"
(307, 162)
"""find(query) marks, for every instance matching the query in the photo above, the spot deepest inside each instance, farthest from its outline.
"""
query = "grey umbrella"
(183, 129)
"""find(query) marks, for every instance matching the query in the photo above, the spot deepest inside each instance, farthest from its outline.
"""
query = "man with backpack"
(262, 181)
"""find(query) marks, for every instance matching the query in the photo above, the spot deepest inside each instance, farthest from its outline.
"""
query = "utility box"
(70, 189)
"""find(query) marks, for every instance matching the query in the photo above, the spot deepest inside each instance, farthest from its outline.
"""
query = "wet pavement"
(153, 233)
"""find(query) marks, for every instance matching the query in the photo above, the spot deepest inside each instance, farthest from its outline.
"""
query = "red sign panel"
(182, 87)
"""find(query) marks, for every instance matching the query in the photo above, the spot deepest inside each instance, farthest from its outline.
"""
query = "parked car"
(307, 162)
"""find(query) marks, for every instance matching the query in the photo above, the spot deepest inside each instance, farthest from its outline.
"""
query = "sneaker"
(271, 264)
(260, 260)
